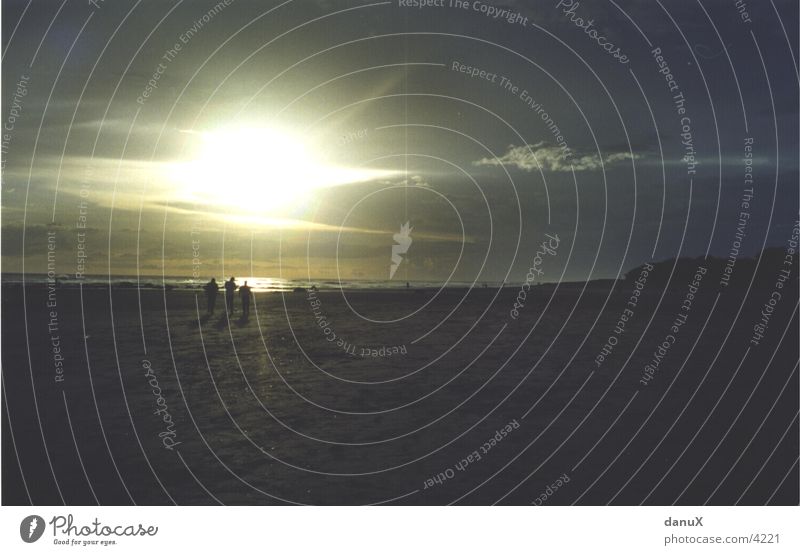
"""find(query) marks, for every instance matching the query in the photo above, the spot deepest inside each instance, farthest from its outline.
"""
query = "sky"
(294, 139)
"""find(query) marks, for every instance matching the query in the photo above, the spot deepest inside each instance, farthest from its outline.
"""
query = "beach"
(119, 395)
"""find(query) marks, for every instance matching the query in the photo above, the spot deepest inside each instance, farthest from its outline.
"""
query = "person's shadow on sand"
(198, 322)
(222, 322)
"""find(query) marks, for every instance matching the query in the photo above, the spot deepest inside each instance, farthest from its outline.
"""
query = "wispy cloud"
(553, 158)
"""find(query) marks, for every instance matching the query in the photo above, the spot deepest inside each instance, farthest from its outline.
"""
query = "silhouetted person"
(211, 288)
(230, 287)
(244, 293)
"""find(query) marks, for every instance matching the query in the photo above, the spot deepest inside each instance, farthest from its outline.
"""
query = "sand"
(308, 402)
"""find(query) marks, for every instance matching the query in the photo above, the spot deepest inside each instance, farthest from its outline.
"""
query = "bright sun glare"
(259, 170)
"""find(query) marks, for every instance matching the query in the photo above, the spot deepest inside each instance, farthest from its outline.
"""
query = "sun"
(259, 169)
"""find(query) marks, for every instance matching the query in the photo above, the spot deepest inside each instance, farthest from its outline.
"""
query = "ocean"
(257, 283)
